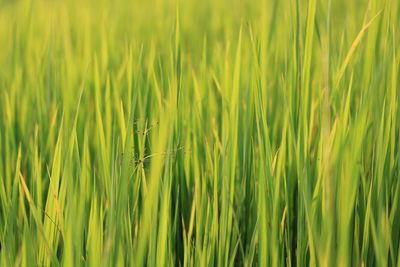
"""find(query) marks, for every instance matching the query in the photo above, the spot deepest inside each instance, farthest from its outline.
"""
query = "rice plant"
(199, 133)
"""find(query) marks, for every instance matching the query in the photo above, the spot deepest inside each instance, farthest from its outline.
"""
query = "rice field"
(199, 133)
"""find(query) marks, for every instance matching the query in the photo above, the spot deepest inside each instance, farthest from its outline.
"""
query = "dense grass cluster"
(199, 133)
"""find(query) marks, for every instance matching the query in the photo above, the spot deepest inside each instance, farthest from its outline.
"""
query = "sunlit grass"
(208, 133)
